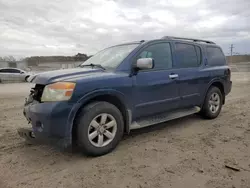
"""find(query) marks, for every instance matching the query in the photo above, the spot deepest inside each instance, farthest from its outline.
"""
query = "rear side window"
(187, 55)
(215, 56)
(5, 70)
(10, 71)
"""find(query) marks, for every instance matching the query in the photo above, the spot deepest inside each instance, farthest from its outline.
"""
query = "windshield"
(111, 57)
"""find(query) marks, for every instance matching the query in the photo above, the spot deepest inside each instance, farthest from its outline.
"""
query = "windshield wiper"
(93, 65)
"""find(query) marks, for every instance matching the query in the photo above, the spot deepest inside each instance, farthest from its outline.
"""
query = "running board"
(145, 122)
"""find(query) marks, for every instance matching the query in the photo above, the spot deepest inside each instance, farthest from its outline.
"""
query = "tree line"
(34, 60)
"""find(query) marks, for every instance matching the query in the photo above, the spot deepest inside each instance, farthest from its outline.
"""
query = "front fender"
(87, 97)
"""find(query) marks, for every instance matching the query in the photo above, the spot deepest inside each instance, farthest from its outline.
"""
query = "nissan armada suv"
(126, 87)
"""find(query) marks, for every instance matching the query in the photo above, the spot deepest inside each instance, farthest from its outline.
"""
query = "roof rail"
(194, 40)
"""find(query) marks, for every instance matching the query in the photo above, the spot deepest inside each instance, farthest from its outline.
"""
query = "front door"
(156, 90)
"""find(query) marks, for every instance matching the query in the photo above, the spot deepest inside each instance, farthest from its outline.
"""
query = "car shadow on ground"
(34, 152)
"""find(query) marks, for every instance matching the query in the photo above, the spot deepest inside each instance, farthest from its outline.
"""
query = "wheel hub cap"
(214, 102)
(102, 130)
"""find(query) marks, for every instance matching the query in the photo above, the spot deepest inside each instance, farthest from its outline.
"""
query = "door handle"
(173, 76)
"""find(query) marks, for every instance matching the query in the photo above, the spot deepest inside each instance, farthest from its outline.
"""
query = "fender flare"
(209, 85)
(87, 97)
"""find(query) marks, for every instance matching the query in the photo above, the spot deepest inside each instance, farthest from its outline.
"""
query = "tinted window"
(10, 71)
(187, 55)
(4, 70)
(215, 56)
(160, 53)
(14, 71)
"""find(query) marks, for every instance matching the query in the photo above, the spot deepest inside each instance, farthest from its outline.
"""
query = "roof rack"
(194, 40)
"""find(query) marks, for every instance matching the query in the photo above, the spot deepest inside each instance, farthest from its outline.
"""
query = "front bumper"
(28, 134)
(49, 123)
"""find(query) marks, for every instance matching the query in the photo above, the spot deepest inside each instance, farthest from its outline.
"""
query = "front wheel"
(26, 78)
(99, 128)
(212, 104)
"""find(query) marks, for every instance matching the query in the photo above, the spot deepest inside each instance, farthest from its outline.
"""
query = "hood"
(63, 75)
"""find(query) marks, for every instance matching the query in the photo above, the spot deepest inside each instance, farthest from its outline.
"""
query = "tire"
(207, 111)
(26, 78)
(94, 112)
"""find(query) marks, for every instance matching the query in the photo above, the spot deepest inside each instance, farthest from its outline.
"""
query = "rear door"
(156, 90)
(14, 74)
(191, 77)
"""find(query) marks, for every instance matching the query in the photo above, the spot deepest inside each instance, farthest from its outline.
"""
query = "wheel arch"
(219, 84)
(112, 96)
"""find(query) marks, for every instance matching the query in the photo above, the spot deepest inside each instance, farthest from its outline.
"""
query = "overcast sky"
(66, 27)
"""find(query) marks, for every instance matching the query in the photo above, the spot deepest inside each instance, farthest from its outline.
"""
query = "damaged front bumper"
(48, 122)
(30, 136)
(26, 133)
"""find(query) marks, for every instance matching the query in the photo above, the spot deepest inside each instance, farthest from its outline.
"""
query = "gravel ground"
(188, 152)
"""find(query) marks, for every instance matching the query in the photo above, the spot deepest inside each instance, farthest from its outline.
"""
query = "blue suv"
(125, 87)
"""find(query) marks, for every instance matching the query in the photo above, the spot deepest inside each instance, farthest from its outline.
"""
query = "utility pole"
(231, 52)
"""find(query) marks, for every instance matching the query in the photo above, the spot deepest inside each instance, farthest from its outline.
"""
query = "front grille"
(36, 92)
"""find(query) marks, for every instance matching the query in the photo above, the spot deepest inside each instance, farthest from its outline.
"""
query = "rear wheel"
(99, 128)
(212, 104)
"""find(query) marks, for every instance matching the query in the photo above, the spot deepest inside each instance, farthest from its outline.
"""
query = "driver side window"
(160, 53)
(145, 54)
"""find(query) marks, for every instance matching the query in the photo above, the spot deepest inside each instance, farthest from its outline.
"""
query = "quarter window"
(215, 56)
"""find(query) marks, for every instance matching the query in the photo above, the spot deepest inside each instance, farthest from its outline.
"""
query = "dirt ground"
(188, 152)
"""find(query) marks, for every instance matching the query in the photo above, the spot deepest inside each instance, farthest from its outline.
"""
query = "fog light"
(32, 134)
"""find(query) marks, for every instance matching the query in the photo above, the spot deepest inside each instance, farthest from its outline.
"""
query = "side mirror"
(145, 63)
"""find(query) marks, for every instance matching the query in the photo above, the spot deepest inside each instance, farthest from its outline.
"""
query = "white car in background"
(13, 75)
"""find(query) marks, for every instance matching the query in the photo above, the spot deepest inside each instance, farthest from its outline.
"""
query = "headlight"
(60, 91)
